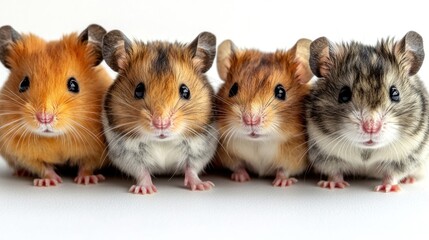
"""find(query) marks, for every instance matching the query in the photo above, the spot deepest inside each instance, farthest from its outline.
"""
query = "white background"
(252, 210)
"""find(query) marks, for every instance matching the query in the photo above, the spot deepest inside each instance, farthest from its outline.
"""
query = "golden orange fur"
(49, 65)
(162, 95)
(257, 75)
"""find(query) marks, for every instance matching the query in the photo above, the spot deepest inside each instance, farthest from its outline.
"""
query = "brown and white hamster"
(50, 105)
(368, 112)
(158, 114)
(260, 111)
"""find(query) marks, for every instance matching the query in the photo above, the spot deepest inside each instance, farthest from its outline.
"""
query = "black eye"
(184, 91)
(140, 91)
(394, 94)
(280, 92)
(72, 85)
(345, 95)
(24, 85)
(234, 90)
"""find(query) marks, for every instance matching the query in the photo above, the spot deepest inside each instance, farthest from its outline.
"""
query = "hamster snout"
(251, 119)
(44, 118)
(372, 126)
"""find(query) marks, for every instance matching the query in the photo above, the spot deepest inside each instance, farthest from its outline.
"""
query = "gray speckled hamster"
(368, 112)
(158, 114)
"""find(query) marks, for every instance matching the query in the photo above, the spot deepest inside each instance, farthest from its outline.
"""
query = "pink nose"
(44, 118)
(371, 126)
(160, 123)
(251, 120)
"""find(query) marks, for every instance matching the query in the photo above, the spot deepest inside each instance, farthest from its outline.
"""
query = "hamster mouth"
(370, 143)
(254, 135)
(162, 136)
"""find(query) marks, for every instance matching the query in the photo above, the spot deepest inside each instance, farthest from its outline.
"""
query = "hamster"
(158, 114)
(50, 105)
(260, 111)
(368, 112)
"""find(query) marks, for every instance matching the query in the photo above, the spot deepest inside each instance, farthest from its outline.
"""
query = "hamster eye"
(140, 91)
(24, 85)
(72, 85)
(184, 91)
(345, 95)
(234, 90)
(394, 94)
(280, 92)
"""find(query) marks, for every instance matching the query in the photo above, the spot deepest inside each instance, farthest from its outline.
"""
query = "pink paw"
(240, 175)
(284, 182)
(196, 184)
(200, 186)
(143, 189)
(89, 179)
(408, 180)
(333, 184)
(47, 182)
(387, 188)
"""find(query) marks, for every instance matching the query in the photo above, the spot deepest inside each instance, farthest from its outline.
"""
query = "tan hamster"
(260, 111)
(158, 114)
(50, 105)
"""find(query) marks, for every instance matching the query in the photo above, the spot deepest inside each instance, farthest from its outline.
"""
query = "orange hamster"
(260, 111)
(50, 105)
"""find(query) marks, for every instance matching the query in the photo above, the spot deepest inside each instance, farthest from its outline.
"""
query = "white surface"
(252, 210)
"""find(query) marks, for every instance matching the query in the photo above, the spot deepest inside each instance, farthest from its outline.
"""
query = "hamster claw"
(333, 184)
(240, 175)
(408, 180)
(143, 189)
(89, 179)
(284, 182)
(46, 182)
(200, 186)
(385, 187)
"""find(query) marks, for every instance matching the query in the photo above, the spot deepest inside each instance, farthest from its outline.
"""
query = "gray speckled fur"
(370, 72)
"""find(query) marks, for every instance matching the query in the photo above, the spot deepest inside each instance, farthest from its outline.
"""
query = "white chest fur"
(258, 156)
(161, 157)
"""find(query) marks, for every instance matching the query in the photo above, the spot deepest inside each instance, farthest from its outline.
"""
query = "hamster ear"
(203, 50)
(116, 49)
(320, 61)
(410, 51)
(93, 36)
(8, 35)
(303, 72)
(224, 52)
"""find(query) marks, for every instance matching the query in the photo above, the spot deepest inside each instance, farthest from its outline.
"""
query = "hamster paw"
(51, 178)
(89, 179)
(47, 182)
(284, 181)
(333, 184)
(199, 185)
(240, 175)
(143, 189)
(387, 188)
(408, 180)
(195, 183)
